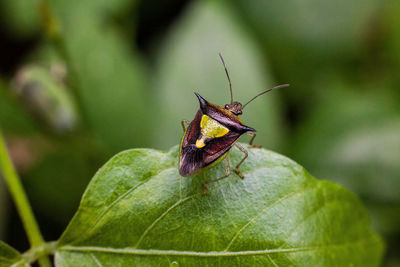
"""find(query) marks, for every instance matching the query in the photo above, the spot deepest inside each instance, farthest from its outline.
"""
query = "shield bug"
(212, 133)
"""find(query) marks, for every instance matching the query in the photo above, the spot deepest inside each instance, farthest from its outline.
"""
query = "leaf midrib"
(155, 252)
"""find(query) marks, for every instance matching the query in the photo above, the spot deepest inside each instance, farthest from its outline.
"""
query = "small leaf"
(138, 211)
(10, 257)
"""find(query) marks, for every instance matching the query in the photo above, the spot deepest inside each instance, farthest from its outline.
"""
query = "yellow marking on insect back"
(210, 128)
(200, 142)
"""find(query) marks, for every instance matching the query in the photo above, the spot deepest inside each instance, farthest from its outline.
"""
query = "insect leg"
(252, 139)
(227, 173)
(243, 159)
(183, 122)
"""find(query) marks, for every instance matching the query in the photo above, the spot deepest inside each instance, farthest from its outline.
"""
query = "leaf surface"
(138, 211)
(9, 256)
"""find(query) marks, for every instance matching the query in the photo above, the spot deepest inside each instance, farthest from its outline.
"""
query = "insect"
(212, 133)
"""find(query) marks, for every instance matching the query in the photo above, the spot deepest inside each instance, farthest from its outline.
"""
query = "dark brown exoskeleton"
(212, 133)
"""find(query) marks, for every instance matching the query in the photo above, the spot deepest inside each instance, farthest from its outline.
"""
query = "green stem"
(21, 201)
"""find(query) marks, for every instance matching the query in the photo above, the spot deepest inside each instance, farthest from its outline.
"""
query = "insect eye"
(226, 106)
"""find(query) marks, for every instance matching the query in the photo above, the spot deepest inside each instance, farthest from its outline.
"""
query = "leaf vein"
(180, 201)
(272, 261)
(109, 207)
(155, 252)
(287, 196)
(313, 213)
(116, 201)
(96, 260)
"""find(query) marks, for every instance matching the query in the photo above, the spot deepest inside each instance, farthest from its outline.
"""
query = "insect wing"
(193, 159)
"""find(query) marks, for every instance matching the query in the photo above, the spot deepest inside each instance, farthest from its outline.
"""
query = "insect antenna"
(266, 91)
(227, 75)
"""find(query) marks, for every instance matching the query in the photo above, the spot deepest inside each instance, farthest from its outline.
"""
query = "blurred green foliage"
(340, 118)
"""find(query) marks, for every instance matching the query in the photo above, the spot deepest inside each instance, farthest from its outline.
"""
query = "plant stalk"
(21, 201)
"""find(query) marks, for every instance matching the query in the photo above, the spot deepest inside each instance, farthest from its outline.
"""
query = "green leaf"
(10, 257)
(138, 211)
(189, 62)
